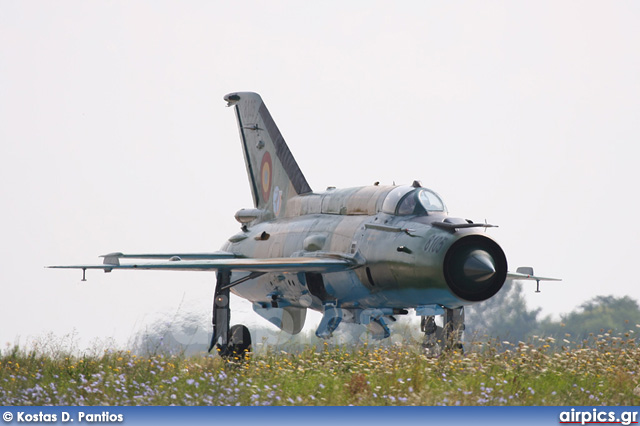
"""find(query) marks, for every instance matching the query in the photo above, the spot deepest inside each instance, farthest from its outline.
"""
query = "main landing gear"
(447, 337)
(234, 342)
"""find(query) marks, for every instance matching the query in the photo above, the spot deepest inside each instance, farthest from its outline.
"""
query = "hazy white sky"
(115, 136)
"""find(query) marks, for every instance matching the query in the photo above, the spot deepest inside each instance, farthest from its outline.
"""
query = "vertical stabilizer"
(274, 175)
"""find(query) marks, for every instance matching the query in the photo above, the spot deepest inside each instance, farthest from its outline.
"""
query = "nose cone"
(479, 266)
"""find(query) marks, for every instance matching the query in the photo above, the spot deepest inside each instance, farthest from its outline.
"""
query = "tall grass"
(602, 370)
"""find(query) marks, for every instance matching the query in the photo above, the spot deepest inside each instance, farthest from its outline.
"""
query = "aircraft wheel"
(239, 341)
(459, 347)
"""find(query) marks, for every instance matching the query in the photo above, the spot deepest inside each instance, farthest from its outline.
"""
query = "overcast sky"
(115, 137)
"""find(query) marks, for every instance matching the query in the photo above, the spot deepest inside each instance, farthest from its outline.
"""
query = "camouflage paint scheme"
(359, 254)
(356, 224)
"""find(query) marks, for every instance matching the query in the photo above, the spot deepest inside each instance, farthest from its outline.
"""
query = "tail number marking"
(434, 244)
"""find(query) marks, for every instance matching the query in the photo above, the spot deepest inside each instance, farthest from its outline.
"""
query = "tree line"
(506, 316)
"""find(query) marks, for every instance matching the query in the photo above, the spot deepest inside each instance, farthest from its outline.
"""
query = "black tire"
(239, 342)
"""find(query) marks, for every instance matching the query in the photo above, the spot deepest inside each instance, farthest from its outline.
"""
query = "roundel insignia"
(266, 170)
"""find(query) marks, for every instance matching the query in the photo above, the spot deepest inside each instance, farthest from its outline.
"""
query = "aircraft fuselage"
(361, 255)
(403, 260)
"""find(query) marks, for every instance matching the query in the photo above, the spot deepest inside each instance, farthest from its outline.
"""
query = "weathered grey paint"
(355, 254)
(398, 259)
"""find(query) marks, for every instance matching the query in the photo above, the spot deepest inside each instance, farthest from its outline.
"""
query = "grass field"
(602, 370)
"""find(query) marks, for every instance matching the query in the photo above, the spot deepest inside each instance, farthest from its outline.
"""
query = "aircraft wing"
(519, 276)
(175, 256)
(283, 264)
(526, 273)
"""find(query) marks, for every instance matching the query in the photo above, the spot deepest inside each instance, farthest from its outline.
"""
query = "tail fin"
(273, 173)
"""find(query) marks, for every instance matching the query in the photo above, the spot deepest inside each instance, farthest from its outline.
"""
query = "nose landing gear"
(447, 337)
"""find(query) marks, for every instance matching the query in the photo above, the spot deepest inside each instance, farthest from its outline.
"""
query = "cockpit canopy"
(408, 200)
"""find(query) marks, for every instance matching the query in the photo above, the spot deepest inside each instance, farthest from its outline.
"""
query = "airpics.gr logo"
(598, 416)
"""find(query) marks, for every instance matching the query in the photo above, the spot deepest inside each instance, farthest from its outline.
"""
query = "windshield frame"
(408, 201)
(395, 199)
(436, 208)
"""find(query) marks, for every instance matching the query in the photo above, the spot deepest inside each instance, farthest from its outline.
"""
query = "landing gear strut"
(229, 342)
(447, 337)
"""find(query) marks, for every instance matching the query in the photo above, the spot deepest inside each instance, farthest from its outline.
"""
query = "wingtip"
(114, 254)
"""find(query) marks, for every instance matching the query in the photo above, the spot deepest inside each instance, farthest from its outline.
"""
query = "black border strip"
(284, 154)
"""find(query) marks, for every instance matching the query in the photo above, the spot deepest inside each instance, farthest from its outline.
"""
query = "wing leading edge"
(114, 257)
(526, 273)
(285, 264)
